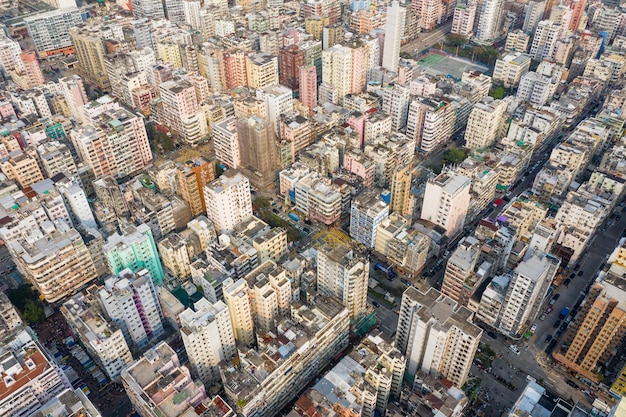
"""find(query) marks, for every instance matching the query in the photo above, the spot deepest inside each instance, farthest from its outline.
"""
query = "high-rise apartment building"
(148, 9)
(396, 101)
(136, 250)
(192, 176)
(430, 123)
(394, 30)
(269, 290)
(104, 341)
(237, 298)
(22, 168)
(544, 41)
(262, 70)
(58, 263)
(510, 68)
(597, 330)
(484, 122)
(226, 142)
(460, 279)
(158, 386)
(49, 31)
(228, 200)
(174, 254)
(131, 301)
(430, 13)
(10, 51)
(290, 59)
(208, 336)
(278, 102)
(343, 274)
(528, 287)
(75, 197)
(114, 142)
(535, 10)
(88, 41)
(463, 19)
(32, 68)
(447, 198)
(31, 377)
(401, 199)
(308, 87)
(436, 335)
(258, 147)
(56, 158)
(337, 71)
(366, 213)
(490, 20)
(181, 111)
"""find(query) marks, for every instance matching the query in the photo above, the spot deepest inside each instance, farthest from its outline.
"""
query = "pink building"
(6, 108)
(31, 66)
(357, 122)
(308, 87)
(359, 164)
(360, 64)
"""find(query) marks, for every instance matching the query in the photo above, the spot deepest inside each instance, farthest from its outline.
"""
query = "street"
(427, 39)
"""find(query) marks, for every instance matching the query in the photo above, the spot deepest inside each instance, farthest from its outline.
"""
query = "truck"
(294, 217)
(564, 312)
(387, 270)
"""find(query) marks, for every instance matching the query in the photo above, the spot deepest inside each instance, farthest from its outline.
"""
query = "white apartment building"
(536, 89)
(510, 68)
(484, 122)
(448, 197)
(407, 249)
(337, 70)
(278, 101)
(396, 105)
(463, 19)
(49, 31)
(237, 298)
(366, 213)
(430, 123)
(527, 289)
(131, 301)
(394, 31)
(103, 340)
(517, 41)
(318, 199)
(228, 200)
(208, 336)
(544, 41)
(75, 197)
(204, 229)
(56, 157)
(436, 335)
(344, 275)
(174, 255)
(262, 70)
(376, 127)
(181, 112)
(270, 295)
(226, 142)
(460, 278)
(30, 378)
(534, 14)
(491, 12)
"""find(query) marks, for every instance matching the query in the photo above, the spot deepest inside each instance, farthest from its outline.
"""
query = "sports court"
(436, 63)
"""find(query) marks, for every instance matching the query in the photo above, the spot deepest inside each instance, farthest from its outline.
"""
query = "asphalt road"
(427, 39)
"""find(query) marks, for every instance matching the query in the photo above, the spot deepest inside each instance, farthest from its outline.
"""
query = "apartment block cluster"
(321, 102)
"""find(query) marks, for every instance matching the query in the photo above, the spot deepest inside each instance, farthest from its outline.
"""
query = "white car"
(533, 328)
(514, 349)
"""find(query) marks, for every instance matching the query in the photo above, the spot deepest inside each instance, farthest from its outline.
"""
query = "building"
(74, 196)
(366, 213)
(88, 41)
(308, 87)
(407, 249)
(344, 275)
(22, 168)
(174, 254)
(32, 69)
(517, 41)
(258, 147)
(489, 20)
(436, 335)
(228, 200)
(510, 68)
(57, 263)
(484, 122)
(290, 59)
(528, 287)
(237, 298)
(31, 377)
(336, 74)
(226, 140)
(317, 198)
(130, 300)
(461, 278)
(158, 386)
(192, 176)
(56, 158)
(263, 381)
(269, 290)
(114, 141)
(450, 197)
(50, 31)
(535, 10)
(181, 111)
(148, 9)
(68, 403)
(262, 70)
(103, 341)
(278, 102)
(401, 199)
(463, 19)
(134, 250)
(598, 328)
(544, 41)
(394, 31)
(430, 13)
(208, 336)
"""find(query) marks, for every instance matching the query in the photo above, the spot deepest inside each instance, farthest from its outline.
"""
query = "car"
(550, 347)
(514, 349)
(549, 310)
(564, 326)
(572, 383)
(542, 317)
(581, 272)
(576, 267)
(533, 328)
(492, 335)
(557, 324)
(552, 301)
(556, 296)
(566, 282)
(375, 303)
(548, 338)
(572, 275)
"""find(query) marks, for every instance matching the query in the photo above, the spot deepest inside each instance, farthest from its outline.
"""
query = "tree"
(454, 39)
(261, 202)
(21, 295)
(33, 312)
(454, 156)
(405, 55)
(498, 93)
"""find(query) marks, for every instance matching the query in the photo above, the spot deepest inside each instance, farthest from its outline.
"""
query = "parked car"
(572, 383)
(542, 317)
(514, 349)
(566, 282)
(492, 335)
(556, 296)
(533, 328)
(557, 324)
(375, 303)
(548, 338)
